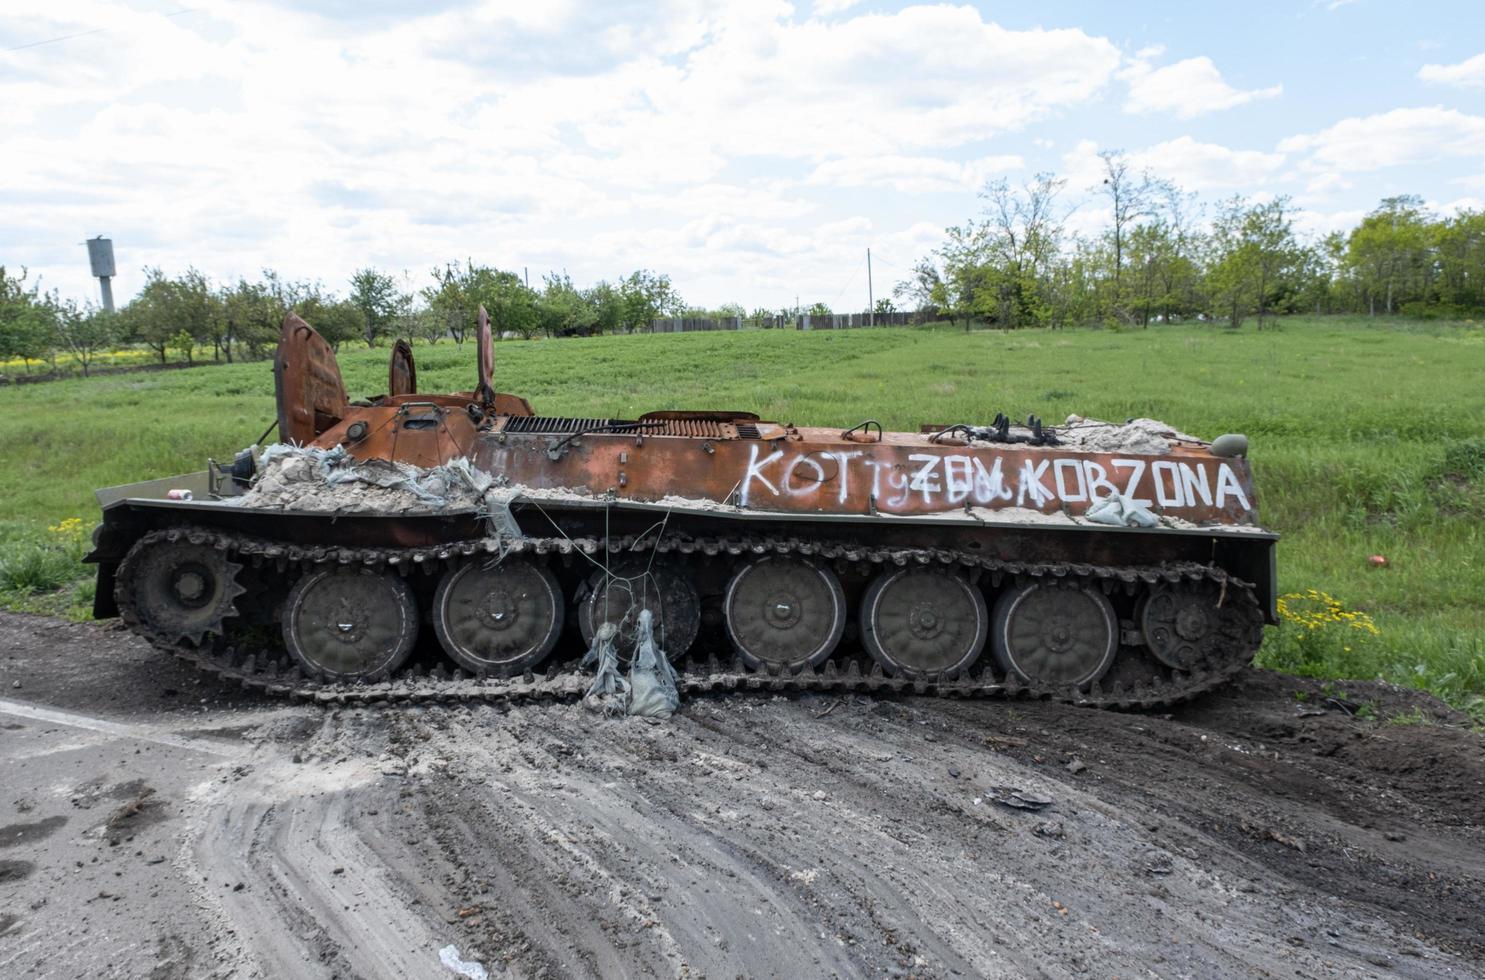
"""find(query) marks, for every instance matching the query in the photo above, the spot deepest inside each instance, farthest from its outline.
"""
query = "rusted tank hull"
(981, 559)
(805, 470)
(810, 472)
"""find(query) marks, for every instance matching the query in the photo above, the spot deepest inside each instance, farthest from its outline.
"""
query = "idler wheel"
(666, 591)
(923, 622)
(1187, 622)
(499, 618)
(178, 590)
(784, 614)
(350, 624)
(1057, 633)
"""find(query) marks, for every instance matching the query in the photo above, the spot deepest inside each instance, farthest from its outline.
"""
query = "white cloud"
(750, 148)
(1469, 73)
(1389, 139)
(1327, 182)
(1190, 164)
(1316, 223)
(251, 133)
(913, 175)
(1313, 224)
(1194, 165)
(1186, 88)
(1469, 203)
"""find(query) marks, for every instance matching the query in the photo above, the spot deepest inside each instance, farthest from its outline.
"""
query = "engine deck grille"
(682, 427)
(553, 424)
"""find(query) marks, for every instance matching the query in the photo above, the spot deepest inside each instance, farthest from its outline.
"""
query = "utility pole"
(871, 303)
(526, 275)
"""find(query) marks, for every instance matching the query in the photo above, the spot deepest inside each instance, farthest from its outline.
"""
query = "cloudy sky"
(753, 149)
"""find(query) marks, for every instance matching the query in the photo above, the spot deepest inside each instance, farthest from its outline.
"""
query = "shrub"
(1317, 634)
(31, 565)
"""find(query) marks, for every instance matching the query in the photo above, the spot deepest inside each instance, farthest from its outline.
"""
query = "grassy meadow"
(1368, 438)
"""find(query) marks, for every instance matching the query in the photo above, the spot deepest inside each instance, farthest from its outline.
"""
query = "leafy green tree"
(202, 313)
(28, 320)
(87, 333)
(1459, 249)
(185, 344)
(607, 304)
(156, 314)
(448, 299)
(339, 321)
(375, 295)
(923, 289)
(1021, 237)
(562, 308)
(251, 316)
(509, 301)
(962, 292)
(1389, 253)
(1255, 257)
(1132, 197)
(457, 294)
(647, 295)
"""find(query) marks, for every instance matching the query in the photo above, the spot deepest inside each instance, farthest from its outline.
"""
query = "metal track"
(270, 671)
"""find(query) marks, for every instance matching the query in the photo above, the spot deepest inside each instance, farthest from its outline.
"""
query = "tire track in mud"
(714, 820)
(289, 865)
(573, 883)
(1309, 810)
(1259, 831)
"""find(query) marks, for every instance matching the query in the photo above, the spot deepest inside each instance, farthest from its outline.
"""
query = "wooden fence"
(802, 321)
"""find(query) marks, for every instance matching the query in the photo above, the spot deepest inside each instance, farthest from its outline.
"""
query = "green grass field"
(1368, 438)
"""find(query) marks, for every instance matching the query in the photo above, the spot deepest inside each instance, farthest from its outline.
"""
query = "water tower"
(100, 256)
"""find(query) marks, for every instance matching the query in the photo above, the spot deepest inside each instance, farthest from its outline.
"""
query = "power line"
(96, 30)
(877, 257)
(854, 273)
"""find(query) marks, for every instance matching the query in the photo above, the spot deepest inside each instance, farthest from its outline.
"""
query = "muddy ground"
(155, 825)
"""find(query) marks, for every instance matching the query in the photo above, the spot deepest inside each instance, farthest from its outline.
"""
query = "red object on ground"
(1378, 561)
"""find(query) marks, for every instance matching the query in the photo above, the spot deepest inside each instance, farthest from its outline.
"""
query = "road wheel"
(664, 589)
(923, 622)
(500, 618)
(1055, 633)
(350, 624)
(784, 614)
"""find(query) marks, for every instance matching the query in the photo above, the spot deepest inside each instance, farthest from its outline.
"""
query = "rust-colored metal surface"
(306, 379)
(814, 470)
(484, 388)
(735, 458)
(402, 371)
(801, 470)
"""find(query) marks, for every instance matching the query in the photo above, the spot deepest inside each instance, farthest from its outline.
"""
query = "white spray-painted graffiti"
(942, 481)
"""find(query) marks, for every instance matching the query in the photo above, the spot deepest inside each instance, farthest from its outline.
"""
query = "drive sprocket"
(178, 588)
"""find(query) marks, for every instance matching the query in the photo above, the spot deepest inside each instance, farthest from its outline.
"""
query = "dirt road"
(153, 825)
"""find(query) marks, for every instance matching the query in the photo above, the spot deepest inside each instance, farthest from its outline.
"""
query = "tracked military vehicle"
(415, 545)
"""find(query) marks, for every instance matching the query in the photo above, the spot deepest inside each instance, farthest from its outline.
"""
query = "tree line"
(192, 317)
(1161, 256)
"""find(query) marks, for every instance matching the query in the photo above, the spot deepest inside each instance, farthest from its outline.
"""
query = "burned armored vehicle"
(452, 545)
